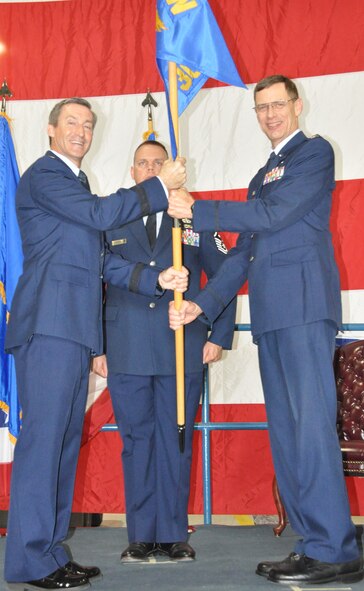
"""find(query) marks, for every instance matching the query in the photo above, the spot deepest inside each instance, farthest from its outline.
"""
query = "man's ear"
(50, 130)
(298, 106)
(132, 172)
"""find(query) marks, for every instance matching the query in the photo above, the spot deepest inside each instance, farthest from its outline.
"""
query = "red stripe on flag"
(99, 414)
(346, 226)
(111, 49)
(347, 229)
(241, 470)
(5, 474)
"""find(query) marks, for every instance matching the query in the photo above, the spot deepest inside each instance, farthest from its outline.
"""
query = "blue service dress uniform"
(140, 353)
(285, 252)
(55, 323)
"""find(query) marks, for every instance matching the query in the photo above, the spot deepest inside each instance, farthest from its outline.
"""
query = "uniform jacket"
(138, 338)
(59, 291)
(285, 247)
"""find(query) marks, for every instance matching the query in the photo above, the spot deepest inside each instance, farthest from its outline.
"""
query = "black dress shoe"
(308, 570)
(138, 552)
(89, 572)
(177, 550)
(264, 568)
(60, 579)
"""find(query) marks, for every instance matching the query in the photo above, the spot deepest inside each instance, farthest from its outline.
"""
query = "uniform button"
(152, 305)
(252, 235)
(101, 276)
(102, 254)
(152, 263)
(251, 259)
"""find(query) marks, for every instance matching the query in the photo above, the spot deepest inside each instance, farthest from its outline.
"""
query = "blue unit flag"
(11, 260)
(188, 35)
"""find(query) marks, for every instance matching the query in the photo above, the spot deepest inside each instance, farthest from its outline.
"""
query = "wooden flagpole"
(177, 264)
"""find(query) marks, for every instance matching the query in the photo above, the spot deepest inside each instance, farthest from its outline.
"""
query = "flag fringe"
(8, 119)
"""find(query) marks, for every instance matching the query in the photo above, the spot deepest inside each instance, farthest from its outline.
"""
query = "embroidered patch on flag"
(274, 175)
(220, 244)
(190, 237)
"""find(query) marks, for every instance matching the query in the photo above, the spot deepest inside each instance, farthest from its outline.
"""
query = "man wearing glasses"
(285, 251)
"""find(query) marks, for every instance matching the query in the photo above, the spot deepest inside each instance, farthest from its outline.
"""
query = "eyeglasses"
(275, 105)
(146, 163)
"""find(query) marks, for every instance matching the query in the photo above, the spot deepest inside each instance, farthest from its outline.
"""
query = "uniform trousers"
(52, 380)
(296, 366)
(156, 473)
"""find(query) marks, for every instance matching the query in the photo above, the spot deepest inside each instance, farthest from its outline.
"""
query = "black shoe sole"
(132, 560)
(262, 574)
(165, 554)
(351, 577)
(30, 587)
(354, 577)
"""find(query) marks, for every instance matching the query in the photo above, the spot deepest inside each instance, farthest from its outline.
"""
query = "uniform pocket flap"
(292, 256)
(70, 273)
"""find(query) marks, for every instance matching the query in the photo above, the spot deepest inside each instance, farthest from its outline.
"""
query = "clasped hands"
(172, 279)
(187, 312)
(173, 174)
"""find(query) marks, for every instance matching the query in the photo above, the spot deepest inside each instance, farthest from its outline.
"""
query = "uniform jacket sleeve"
(307, 179)
(135, 277)
(56, 190)
(218, 298)
(213, 254)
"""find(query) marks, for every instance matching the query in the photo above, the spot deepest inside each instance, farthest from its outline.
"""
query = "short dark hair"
(55, 112)
(151, 143)
(276, 79)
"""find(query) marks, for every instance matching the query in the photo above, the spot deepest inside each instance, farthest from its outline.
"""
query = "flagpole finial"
(149, 102)
(4, 92)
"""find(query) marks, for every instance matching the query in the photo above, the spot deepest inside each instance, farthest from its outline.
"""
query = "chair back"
(349, 374)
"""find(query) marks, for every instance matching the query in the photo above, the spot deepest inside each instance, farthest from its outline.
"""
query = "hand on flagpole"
(180, 204)
(173, 173)
(172, 279)
(187, 313)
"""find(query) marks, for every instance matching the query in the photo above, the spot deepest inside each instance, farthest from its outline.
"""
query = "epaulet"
(315, 136)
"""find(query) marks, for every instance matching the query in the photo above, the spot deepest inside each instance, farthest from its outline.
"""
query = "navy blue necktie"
(151, 228)
(83, 180)
(270, 164)
(272, 161)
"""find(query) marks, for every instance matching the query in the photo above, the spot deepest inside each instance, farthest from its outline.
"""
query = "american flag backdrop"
(105, 50)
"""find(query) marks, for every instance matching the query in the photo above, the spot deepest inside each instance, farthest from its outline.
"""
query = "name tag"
(120, 241)
(274, 175)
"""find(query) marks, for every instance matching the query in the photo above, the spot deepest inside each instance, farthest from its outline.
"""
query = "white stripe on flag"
(6, 447)
(219, 132)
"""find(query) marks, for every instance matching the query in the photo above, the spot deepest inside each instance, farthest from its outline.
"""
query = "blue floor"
(226, 560)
